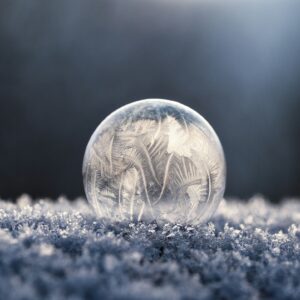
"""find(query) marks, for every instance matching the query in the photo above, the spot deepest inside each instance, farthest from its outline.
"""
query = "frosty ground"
(60, 250)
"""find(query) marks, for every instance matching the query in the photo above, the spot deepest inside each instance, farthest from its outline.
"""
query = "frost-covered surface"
(61, 251)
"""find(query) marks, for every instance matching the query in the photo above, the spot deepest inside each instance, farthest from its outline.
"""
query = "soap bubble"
(154, 160)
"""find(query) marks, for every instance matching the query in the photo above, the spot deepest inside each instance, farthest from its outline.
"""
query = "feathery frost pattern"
(154, 160)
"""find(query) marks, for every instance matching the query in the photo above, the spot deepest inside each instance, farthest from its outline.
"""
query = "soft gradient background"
(65, 65)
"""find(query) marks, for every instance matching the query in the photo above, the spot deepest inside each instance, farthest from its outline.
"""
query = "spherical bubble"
(154, 159)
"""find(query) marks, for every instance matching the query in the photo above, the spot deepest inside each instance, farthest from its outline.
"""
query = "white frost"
(60, 250)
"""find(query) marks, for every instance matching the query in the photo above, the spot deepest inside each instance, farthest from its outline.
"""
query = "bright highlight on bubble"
(154, 159)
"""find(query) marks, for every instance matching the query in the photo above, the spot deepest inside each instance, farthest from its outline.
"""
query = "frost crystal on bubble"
(154, 159)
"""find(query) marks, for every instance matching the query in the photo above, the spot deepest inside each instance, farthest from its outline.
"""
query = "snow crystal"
(60, 250)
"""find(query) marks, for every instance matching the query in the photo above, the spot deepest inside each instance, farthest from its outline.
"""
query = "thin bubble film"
(154, 159)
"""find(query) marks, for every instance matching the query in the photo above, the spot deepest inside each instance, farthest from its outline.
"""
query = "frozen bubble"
(154, 159)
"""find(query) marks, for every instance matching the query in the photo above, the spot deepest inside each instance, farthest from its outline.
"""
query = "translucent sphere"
(154, 159)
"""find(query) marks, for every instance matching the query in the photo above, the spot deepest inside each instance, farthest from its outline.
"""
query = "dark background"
(65, 65)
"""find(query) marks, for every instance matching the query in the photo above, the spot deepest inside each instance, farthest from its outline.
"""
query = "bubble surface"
(154, 159)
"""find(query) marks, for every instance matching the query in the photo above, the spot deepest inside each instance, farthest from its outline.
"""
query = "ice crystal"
(61, 250)
(154, 159)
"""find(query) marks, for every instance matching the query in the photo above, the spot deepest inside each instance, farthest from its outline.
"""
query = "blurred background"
(66, 64)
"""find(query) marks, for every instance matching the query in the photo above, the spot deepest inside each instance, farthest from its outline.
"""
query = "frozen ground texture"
(61, 251)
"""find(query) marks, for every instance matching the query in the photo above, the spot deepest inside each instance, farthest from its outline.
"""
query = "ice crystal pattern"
(154, 159)
(55, 250)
